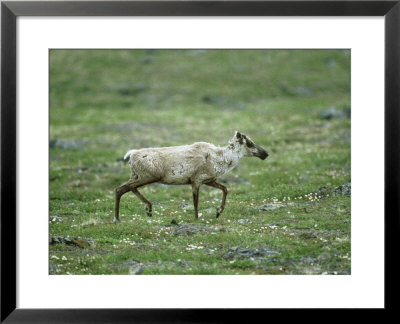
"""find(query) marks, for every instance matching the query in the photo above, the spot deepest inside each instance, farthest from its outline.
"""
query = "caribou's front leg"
(195, 189)
(214, 184)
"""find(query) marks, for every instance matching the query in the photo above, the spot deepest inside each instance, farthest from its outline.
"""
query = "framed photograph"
(160, 158)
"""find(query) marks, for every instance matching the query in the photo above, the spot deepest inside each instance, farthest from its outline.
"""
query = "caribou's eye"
(249, 143)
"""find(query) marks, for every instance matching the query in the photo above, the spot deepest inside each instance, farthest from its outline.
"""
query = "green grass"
(104, 102)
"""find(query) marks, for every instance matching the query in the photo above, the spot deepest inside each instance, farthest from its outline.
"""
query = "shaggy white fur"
(195, 164)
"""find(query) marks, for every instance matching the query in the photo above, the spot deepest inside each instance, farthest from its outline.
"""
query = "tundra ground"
(289, 214)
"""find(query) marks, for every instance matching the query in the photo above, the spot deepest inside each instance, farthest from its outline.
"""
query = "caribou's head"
(242, 143)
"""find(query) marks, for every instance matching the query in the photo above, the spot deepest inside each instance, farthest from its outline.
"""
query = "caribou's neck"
(227, 159)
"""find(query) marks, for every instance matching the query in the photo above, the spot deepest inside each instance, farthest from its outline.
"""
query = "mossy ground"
(104, 102)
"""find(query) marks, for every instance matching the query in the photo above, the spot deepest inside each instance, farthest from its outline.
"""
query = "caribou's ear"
(238, 135)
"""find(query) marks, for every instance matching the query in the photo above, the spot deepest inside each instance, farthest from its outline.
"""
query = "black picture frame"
(11, 10)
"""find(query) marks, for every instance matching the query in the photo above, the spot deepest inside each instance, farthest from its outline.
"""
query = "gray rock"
(189, 229)
(303, 91)
(331, 63)
(186, 206)
(267, 207)
(76, 241)
(324, 256)
(244, 253)
(184, 264)
(333, 113)
(244, 221)
(344, 189)
(208, 251)
(53, 268)
(136, 269)
(56, 219)
(210, 211)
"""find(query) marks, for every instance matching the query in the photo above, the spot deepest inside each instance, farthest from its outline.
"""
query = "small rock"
(331, 63)
(333, 113)
(344, 189)
(209, 251)
(56, 219)
(136, 269)
(303, 91)
(269, 207)
(77, 241)
(324, 256)
(53, 268)
(186, 206)
(244, 221)
(210, 211)
(308, 259)
(249, 253)
(189, 229)
(83, 244)
(308, 235)
(185, 264)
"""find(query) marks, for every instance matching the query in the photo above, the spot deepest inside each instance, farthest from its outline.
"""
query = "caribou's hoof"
(115, 220)
(148, 212)
(218, 213)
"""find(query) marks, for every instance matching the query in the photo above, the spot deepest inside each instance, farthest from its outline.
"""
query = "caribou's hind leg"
(121, 190)
(131, 185)
(149, 206)
(214, 184)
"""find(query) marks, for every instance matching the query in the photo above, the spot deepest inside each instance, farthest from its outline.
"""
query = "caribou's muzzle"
(261, 153)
